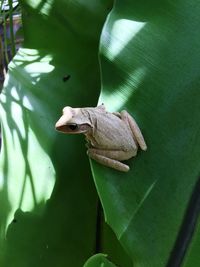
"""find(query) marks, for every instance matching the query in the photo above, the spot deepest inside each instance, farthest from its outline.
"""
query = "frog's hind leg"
(118, 114)
(125, 116)
(102, 156)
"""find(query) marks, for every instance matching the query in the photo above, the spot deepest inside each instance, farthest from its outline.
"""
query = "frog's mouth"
(73, 128)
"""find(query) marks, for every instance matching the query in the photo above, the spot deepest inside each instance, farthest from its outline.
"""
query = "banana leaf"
(48, 199)
(150, 65)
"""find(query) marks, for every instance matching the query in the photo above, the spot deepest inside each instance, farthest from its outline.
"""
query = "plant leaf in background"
(150, 63)
(59, 67)
(99, 260)
(192, 257)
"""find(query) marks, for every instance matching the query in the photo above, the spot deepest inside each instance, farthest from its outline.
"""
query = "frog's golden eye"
(73, 126)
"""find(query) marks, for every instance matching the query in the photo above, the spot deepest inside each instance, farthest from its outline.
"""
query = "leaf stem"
(12, 37)
(5, 39)
(98, 228)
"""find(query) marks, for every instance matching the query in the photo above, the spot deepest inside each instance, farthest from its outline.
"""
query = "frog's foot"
(88, 144)
(106, 158)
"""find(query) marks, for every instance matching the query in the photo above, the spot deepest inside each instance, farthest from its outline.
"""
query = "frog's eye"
(73, 126)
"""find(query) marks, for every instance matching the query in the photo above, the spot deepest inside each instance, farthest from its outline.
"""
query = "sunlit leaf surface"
(150, 63)
(47, 197)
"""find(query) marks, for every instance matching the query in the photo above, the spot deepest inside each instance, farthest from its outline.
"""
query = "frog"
(112, 137)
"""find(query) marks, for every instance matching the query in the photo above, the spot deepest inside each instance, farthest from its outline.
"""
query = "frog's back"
(113, 133)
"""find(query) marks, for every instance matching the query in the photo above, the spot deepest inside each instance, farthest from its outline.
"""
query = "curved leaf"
(98, 260)
(150, 54)
(60, 68)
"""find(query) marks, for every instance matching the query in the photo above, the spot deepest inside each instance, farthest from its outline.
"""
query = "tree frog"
(111, 137)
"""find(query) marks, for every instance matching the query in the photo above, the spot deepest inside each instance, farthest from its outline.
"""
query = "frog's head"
(73, 121)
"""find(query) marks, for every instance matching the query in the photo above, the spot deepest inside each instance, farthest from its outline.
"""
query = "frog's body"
(115, 136)
(112, 137)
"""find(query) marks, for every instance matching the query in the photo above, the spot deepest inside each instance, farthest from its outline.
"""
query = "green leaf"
(58, 67)
(112, 247)
(98, 260)
(150, 64)
(192, 257)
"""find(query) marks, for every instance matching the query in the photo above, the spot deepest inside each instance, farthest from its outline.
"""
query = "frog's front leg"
(125, 116)
(105, 157)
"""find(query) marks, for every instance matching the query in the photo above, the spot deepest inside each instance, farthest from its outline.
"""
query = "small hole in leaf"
(66, 78)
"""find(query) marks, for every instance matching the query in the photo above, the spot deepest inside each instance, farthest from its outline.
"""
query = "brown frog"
(112, 137)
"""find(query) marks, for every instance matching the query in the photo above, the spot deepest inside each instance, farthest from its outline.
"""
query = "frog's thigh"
(102, 157)
(125, 116)
(114, 154)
